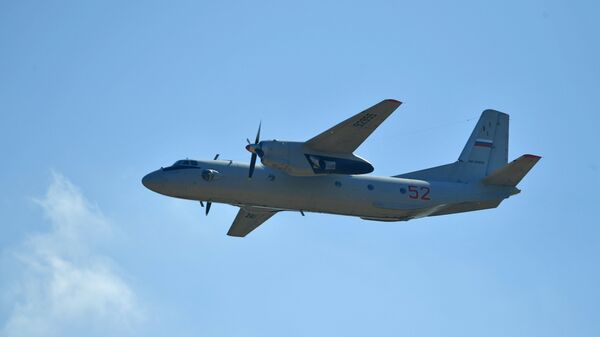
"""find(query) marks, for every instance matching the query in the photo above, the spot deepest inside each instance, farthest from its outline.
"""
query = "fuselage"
(366, 196)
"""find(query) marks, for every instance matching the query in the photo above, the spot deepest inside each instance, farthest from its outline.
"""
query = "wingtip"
(393, 101)
(532, 156)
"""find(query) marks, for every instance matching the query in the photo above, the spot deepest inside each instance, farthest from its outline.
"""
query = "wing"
(248, 218)
(349, 134)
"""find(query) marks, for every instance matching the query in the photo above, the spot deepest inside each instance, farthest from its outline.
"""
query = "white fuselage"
(370, 197)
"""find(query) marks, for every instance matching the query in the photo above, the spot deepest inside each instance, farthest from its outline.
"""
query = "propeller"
(208, 203)
(255, 150)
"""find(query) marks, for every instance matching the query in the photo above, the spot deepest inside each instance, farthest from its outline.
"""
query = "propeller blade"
(216, 156)
(201, 203)
(208, 203)
(254, 149)
(252, 164)
(258, 133)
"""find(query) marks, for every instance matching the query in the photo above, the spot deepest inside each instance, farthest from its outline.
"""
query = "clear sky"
(95, 94)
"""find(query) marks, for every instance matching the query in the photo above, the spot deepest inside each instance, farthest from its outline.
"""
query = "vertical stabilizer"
(485, 152)
(487, 148)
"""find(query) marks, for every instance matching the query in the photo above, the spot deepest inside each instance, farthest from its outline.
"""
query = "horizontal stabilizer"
(512, 173)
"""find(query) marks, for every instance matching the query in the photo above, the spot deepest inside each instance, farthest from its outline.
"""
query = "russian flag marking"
(483, 142)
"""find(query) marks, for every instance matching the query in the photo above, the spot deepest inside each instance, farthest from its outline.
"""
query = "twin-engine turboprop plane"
(323, 175)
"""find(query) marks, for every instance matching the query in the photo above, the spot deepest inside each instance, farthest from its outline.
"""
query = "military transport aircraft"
(323, 175)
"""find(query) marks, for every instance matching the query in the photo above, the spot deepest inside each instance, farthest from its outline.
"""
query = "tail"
(487, 148)
(484, 155)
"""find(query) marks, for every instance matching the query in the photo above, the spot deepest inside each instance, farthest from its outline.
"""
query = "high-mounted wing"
(349, 134)
(248, 218)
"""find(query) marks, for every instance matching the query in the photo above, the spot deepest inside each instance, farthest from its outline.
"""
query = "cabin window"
(402, 190)
(370, 187)
(337, 184)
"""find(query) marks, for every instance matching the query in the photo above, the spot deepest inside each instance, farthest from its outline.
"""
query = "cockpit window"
(183, 164)
(186, 163)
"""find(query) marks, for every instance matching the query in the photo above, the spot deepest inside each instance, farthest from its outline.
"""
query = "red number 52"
(419, 193)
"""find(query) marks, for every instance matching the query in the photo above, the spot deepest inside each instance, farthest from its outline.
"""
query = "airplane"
(323, 175)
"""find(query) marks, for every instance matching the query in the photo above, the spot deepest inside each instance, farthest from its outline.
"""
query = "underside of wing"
(347, 136)
(248, 218)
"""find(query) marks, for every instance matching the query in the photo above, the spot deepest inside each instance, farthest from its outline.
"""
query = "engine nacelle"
(297, 159)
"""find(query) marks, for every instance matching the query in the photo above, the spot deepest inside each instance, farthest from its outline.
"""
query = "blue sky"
(93, 95)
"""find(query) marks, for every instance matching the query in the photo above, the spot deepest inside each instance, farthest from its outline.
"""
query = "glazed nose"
(154, 181)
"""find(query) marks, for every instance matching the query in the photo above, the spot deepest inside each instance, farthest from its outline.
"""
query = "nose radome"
(153, 181)
(146, 180)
